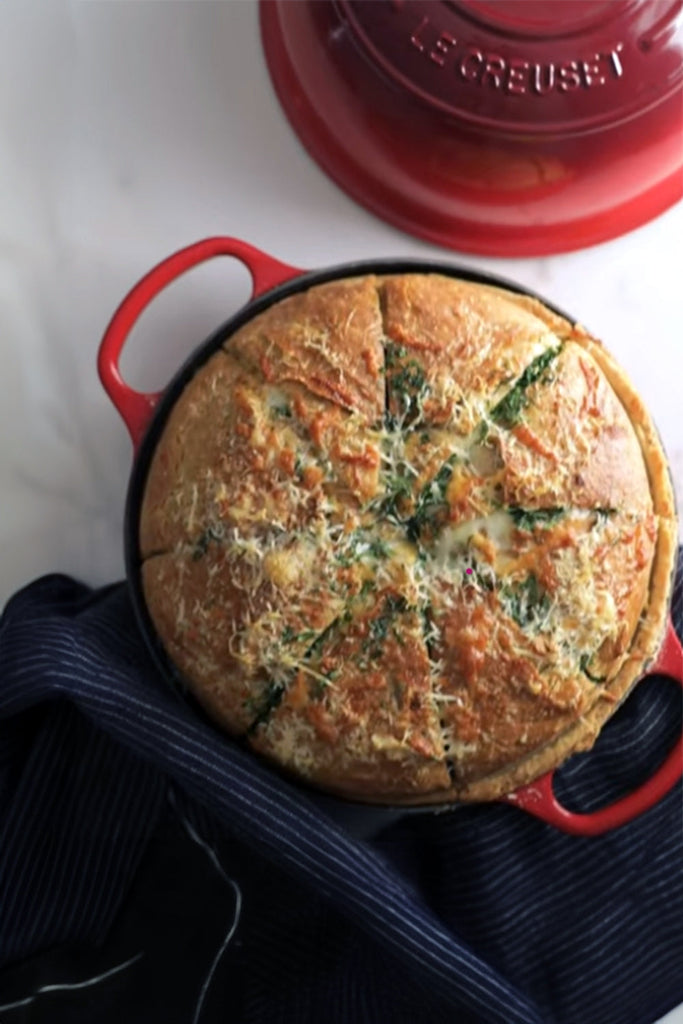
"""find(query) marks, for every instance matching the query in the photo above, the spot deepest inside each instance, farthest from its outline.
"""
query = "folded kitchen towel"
(151, 870)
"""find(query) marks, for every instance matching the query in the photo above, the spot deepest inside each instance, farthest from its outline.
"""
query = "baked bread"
(410, 537)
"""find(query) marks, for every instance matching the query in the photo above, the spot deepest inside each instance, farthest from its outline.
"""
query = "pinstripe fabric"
(482, 915)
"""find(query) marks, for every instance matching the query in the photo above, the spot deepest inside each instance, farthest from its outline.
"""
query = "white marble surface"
(130, 128)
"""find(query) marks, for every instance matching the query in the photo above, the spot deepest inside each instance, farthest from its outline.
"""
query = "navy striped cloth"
(151, 870)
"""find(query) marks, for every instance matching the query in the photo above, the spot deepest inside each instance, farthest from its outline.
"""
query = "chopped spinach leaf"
(584, 662)
(350, 551)
(319, 642)
(378, 548)
(201, 545)
(526, 602)
(378, 628)
(431, 499)
(526, 519)
(478, 577)
(393, 353)
(391, 422)
(275, 691)
(410, 377)
(290, 635)
(359, 544)
(406, 385)
(398, 489)
(273, 697)
(481, 432)
(508, 412)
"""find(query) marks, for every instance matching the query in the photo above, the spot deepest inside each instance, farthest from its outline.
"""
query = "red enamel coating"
(539, 799)
(136, 407)
(503, 128)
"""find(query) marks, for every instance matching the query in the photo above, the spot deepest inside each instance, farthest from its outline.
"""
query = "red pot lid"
(506, 127)
(524, 65)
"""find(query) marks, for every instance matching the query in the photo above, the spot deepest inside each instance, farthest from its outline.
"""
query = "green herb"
(201, 545)
(526, 602)
(397, 489)
(406, 385)
(584, 662)
(508, 412)
(345, 558)
(393, 353)
(289, 635)
(378, 628)
(476, 576)
(367, 588)
(443, 478)
(527, 519)
(411, 377)
(283, 411)
(358, 544)
(603, 514)
(319, 642)
(275, 690)
(273, 697)
(481, 432)
(378, 548)
(431, 499)
(349, 552)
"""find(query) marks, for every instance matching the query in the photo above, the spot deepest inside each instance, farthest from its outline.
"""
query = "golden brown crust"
(467, 344)
(269, 455)
(530, 651)
(411, 537)
(223, 615)
(329, 339)
(575, 444)
(559, 325)
(365, 724)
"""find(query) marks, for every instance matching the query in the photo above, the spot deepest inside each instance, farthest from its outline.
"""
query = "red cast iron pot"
(146, 414)
(502, 127)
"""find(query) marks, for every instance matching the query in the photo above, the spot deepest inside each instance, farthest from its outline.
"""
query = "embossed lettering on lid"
(502, 127)
(524, 67)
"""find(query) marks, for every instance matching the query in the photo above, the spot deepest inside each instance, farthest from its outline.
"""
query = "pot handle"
(539, 799)
(136, 407)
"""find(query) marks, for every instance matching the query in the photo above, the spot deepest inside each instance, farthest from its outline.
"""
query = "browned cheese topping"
(398, 534)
